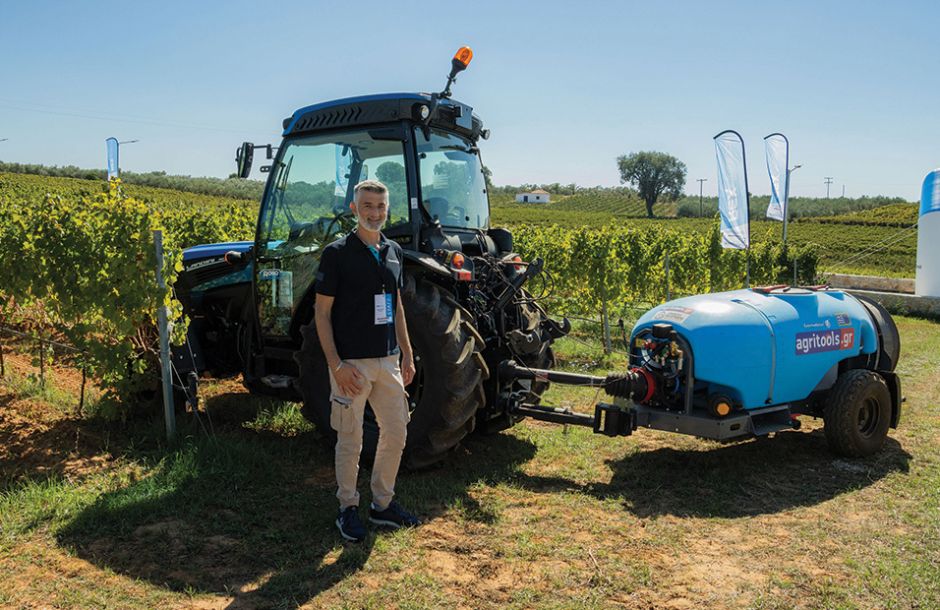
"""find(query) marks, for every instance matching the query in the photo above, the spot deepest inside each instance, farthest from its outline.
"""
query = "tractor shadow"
(761, 476)
(250, 516)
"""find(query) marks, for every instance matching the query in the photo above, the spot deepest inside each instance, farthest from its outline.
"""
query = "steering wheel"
(457, 213)
(437, 207)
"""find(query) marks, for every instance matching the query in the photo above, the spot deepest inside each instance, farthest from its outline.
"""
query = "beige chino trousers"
(383, 387)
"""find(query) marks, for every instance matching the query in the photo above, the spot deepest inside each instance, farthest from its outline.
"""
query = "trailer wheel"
(857, 414)
(444, 396)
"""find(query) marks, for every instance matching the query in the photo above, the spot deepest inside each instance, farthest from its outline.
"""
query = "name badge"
(383, 309)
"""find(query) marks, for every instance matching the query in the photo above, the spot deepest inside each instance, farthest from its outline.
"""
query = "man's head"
(370, 204)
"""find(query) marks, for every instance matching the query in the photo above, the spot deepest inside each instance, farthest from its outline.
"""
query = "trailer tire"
(447, 390)
(857, 414)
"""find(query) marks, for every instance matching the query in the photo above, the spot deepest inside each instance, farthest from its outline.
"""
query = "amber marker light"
(463, 56)
(457, 261)
(722, 409)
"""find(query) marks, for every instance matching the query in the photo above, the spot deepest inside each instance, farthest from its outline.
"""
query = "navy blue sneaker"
(350, 527)
(393, 516)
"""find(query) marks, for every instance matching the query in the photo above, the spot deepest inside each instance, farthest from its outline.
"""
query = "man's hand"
(407, 369)
(349, 379)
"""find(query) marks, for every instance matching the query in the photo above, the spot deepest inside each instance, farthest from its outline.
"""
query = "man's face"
(371, 209)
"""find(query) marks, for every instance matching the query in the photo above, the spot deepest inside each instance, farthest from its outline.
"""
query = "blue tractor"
(251, 303)
(720, 366)
(748, 363)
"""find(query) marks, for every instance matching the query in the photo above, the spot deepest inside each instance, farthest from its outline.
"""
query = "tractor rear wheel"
(447, 389)
(857, 414)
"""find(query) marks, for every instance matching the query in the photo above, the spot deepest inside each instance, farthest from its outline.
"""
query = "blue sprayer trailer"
(749, 363)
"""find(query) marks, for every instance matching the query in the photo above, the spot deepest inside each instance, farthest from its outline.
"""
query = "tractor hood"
(209, 251)
(205, 268)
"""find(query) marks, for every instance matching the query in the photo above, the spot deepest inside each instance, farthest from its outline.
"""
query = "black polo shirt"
(350, 274)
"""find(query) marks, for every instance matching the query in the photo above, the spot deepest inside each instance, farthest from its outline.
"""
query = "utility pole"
(701, 208)
(828, 182)
(843, 191)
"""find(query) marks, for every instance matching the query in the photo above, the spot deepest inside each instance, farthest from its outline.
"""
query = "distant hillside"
(894, 215)
(624, 202)
(24, 187)
(566, 199)
(800, 207)
(235, 188)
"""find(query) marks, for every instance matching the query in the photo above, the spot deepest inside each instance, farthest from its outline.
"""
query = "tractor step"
(278, 382)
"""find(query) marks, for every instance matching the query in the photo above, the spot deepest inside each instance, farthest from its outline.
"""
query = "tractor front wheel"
(857, 414)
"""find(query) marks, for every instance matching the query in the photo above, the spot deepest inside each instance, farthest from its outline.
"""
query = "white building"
(536, 196)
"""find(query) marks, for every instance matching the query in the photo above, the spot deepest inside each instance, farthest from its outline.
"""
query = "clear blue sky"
(565, 87)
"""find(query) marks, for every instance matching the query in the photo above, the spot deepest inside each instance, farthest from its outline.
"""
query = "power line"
(117, 119)
(828, 180)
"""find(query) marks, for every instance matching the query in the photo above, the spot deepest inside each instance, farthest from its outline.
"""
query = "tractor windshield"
(313, 184)
(452, 186)
(306, 206)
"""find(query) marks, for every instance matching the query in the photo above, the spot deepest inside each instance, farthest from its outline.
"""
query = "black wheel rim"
(868, 416)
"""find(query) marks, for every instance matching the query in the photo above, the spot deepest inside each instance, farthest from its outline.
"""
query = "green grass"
(538, 516)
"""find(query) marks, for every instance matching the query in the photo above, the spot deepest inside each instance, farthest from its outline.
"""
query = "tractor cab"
(432, 168)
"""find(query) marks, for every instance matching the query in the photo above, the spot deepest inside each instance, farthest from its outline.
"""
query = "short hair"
(373, 186)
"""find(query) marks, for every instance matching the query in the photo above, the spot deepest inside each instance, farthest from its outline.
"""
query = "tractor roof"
(382, 108)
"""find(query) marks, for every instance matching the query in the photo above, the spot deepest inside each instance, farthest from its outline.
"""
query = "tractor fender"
(428, 262)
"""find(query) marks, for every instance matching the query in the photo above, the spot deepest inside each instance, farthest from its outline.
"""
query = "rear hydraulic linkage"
(608, 419)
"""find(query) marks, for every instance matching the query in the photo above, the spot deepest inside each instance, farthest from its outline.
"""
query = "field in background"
(877, 241)
(95, 515)
(861, 239)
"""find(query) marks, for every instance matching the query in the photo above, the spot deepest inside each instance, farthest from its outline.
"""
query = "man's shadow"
(251, 515)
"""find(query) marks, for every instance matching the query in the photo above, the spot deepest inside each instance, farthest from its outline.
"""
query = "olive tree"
(653, 174)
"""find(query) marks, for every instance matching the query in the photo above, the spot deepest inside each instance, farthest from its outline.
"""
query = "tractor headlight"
(423, 112)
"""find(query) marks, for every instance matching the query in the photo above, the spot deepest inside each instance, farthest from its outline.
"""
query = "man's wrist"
(336, 368)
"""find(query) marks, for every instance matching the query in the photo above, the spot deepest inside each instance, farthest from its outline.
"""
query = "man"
(361, 325)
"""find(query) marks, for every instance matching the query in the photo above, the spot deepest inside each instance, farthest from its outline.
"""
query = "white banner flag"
(777, 148)
(733, 204)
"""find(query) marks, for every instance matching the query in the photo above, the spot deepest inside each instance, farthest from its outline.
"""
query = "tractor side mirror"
(243, 158)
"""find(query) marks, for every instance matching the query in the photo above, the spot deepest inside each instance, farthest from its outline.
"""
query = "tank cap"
(662, 331)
